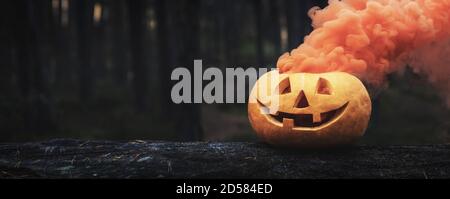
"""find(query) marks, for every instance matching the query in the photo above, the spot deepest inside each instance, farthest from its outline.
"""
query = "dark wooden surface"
(147, 159)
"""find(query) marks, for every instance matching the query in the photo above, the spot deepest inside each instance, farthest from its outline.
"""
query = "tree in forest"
(258, 11)
(139, 68)
(119, 40)
(84, 24)
(178, 47)
(275, 30)
(164, 55)
(30, 37)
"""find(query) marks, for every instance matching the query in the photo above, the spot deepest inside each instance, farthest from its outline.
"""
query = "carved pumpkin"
(309, 110)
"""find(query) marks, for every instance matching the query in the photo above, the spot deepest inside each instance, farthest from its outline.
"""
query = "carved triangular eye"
(284, 87)
(302, 102)
(323, 87)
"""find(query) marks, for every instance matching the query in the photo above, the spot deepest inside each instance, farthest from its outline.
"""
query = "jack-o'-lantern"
(309, 110)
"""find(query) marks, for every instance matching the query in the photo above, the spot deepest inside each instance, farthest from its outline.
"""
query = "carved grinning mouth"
(303, 120)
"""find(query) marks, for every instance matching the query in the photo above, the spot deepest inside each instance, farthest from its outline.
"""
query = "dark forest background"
(100, 69)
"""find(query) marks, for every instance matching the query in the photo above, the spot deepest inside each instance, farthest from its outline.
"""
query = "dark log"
(142, 159)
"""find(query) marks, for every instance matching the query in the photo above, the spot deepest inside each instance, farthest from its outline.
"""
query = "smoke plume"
(372, 38)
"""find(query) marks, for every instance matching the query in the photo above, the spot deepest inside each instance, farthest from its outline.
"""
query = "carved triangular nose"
(301, 101)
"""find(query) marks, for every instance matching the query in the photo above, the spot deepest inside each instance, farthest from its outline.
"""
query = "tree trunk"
(84, 23)
(274, 32)
(297, 21)
(185, 35)
(119, 42)
(140, 73)
(31, 38)
(165, 57)
(9, 106)
(230, 27)
(61, 50)
(99, 41)
(257, 8)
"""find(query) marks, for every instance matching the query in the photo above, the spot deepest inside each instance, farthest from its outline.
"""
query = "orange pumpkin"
(308, 109)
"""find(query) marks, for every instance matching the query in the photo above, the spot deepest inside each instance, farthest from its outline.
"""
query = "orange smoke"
(373, 38)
